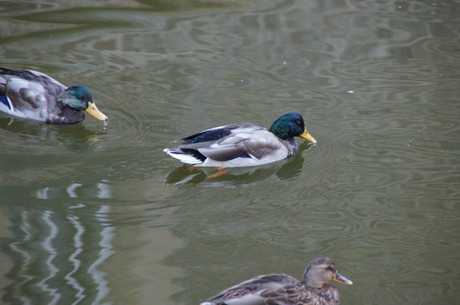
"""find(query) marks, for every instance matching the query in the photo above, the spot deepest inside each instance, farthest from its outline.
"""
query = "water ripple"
(377, 83)
(41, 248)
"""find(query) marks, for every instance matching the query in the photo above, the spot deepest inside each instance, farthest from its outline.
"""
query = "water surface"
(94, 214)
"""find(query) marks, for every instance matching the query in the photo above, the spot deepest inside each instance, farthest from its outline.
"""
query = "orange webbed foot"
(221, 172)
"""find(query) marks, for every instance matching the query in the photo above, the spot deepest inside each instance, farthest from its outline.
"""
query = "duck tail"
(186, 155)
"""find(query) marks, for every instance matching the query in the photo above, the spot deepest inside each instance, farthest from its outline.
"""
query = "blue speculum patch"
(4, 100)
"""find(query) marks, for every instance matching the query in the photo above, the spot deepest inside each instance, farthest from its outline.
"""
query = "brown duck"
(282, 289)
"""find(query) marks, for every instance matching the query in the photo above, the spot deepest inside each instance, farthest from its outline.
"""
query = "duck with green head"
(242, 144)
(283, 289)
(33, 95)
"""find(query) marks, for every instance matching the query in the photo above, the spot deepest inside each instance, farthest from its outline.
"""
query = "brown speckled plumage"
(282, 289)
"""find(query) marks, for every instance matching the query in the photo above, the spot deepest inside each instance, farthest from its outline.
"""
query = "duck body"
(283, 289)
(33, 95)
(242, 144)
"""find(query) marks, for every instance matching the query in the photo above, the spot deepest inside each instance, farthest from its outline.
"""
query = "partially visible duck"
(33, 95)
(282, 289)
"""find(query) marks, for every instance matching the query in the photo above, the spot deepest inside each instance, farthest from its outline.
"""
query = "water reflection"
(100, 190)
(42, 256)
(100, 215)
(78, 137)
(74, 257)
(99, 277)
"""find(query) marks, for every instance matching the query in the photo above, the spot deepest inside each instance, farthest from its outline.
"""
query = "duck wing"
(25, 92)
(267, 289)
(299, 294)
(215, 134)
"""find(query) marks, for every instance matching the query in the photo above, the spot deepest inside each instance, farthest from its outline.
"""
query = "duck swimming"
(33, 95)
(242, 144)
(282, 289)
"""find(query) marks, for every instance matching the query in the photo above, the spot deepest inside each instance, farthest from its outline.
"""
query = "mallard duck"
(282, 289)
(242, 144)
(34, 95)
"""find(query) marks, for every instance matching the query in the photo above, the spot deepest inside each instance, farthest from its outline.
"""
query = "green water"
(93, 214)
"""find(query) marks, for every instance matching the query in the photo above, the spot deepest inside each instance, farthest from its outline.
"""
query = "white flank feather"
(185, 158)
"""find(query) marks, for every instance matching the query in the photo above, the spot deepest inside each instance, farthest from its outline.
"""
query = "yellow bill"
(306, 136)
(92, 110)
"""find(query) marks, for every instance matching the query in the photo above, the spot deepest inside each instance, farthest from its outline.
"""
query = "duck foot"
(192, 169)
(221, 172)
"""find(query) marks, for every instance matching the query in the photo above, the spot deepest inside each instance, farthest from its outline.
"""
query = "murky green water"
(99, 215)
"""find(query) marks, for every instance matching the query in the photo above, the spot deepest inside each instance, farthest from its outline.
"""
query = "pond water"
(94, 214)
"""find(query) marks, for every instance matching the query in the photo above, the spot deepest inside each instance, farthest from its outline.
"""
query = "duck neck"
(293, 146)
(279, 132)
(311, 280)
(61, 98)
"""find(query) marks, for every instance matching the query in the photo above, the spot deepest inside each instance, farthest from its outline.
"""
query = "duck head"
(80, 98)
(291, 125)
(321, 271)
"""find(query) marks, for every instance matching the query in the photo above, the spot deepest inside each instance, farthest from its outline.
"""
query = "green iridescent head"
(80, 98)
(291, 125)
